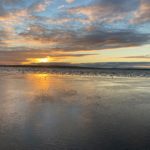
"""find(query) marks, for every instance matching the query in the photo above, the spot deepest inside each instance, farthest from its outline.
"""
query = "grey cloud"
(2, 10)
(11, 2)
(98, 39)
(17, 57)
(139, 57)
(117, 65)
(118, 5)
(107, 11)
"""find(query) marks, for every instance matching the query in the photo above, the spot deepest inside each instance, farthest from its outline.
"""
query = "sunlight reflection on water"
(50, 111)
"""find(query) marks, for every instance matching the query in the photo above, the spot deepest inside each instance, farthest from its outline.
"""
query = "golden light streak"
(38, 60)
(44, 60)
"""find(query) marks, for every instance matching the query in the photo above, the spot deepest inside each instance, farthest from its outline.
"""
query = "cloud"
(19, 57)
(118, 65)
(40, 6)
(70, 1)
(106, 11)
(98, 39)
(142, 14)
(39, 25)
(138, 57)
(41, 38)
(11, 2)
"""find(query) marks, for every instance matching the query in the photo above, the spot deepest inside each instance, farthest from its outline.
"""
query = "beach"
(50, 110)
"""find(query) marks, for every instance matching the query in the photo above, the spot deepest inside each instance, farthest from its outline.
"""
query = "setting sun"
(37, 60)
(43, 60)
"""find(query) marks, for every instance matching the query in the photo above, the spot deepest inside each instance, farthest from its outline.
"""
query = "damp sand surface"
(41, 110)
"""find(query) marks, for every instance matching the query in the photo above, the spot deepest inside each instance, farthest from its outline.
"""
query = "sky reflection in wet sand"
(45, 111)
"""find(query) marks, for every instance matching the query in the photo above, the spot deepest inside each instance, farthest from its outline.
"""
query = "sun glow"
(43, 60)
(38, 60)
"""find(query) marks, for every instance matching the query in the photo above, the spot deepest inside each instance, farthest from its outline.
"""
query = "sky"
(75, 32)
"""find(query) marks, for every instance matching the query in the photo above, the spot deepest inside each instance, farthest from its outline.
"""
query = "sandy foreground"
(44, 111)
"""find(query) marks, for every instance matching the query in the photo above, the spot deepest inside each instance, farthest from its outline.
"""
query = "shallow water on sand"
(44, 111)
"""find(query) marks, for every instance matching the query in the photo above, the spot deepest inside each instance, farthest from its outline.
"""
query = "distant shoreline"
(70, 67)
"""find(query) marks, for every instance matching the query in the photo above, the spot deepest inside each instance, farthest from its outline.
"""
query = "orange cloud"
(42, 6)
(99, 13)
(143, 13)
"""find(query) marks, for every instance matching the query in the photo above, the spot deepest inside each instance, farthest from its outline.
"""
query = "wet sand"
(44, 111)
